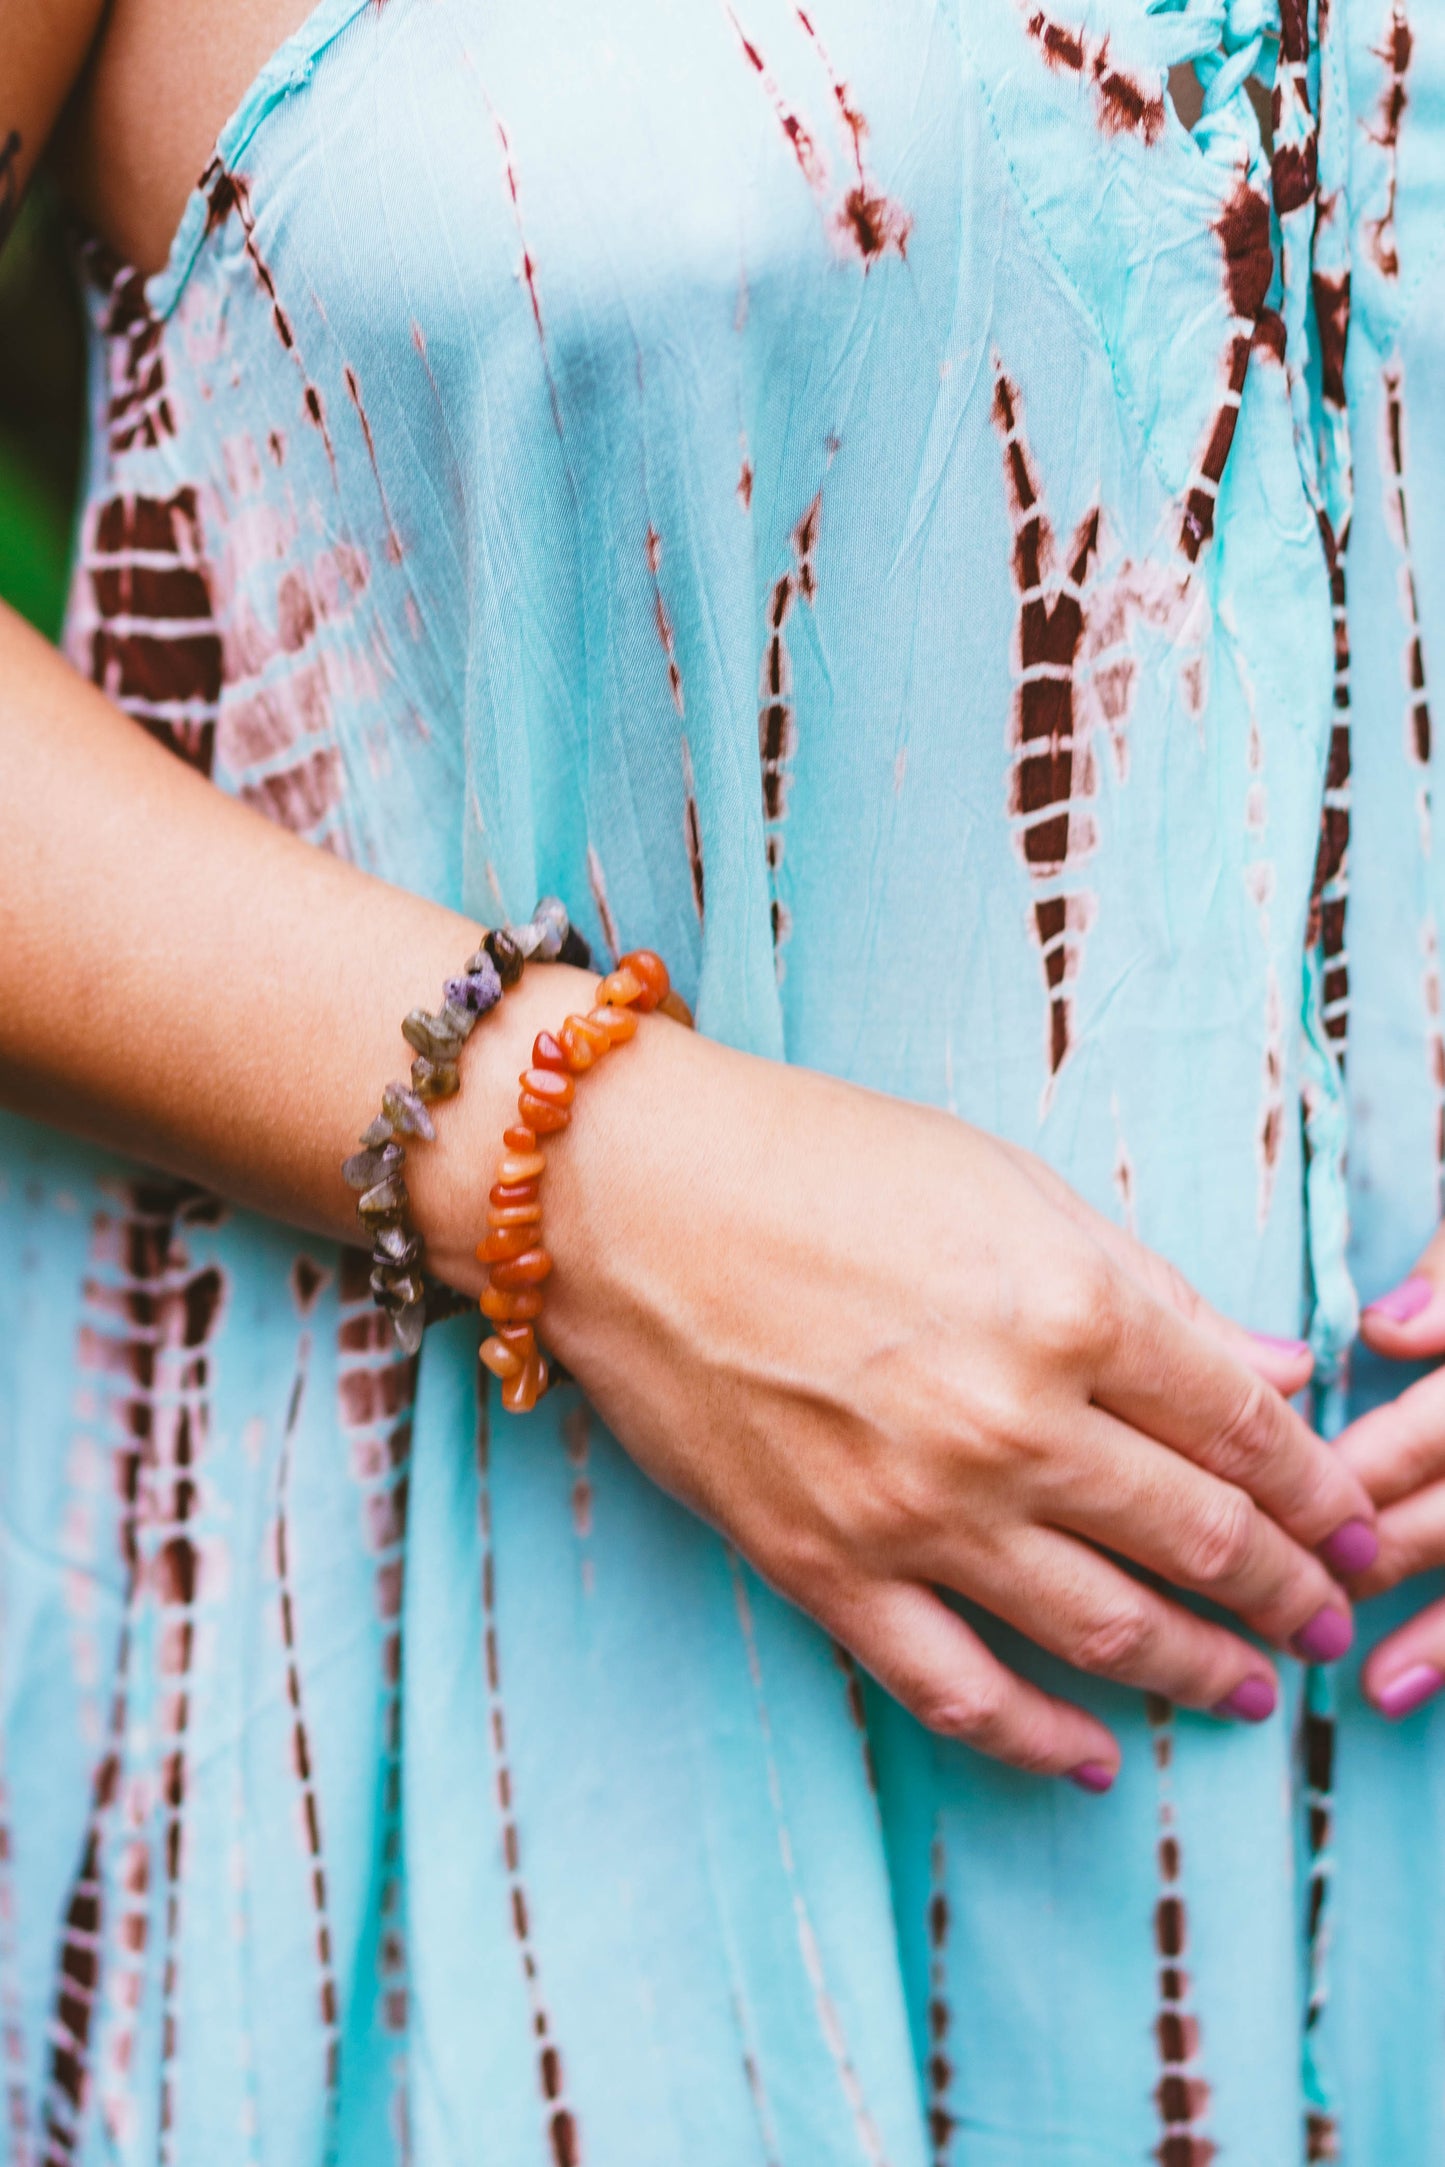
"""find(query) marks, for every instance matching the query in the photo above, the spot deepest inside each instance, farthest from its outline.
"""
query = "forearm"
(184, 981)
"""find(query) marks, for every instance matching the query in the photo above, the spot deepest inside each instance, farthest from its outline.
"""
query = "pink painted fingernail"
(1296, 1349)
(1409, 1690)
(1092, 1776)
(1253, 1700)
(1325, 1638)
(1405, 1301)
(1352, 1548)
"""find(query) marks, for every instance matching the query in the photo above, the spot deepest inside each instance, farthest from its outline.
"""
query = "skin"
(1398, 1451)
(945, 1375)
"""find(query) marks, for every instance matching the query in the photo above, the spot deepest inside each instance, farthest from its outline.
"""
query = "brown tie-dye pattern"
(139, 410)
(227, 192)
(777, 719)
(1294, 164)
(302, 1762)
(1321, 2128)
(853, 1686)
(863, 219)
(1123, 104)
(1182, 2095)
(1243, 231)
(178, 1569)
(1419, 739)
(376, 1391)
(1329, 894)
(1395, 56)
(155, 646)
(867, 218)
(865, 2129)
(147, 1323)
(942, 2122)
(596, 881)
(692, 829)
(564, 2134)
(1052, 779)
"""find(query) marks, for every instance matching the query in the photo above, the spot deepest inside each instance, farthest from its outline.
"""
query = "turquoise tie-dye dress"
(857, 497)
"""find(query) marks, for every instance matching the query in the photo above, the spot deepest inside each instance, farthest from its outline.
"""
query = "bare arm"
(943, 1374)
(43, 45)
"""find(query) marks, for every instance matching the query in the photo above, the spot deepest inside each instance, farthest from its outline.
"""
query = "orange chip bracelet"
(517, 1263)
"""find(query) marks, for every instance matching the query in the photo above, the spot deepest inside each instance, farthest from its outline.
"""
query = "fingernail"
(1325, 1638)
(1092, 1776)
(1296, 1349)
(1405, 1301)
(1352, 1548)
(1408, 1690)
(1252, 1700)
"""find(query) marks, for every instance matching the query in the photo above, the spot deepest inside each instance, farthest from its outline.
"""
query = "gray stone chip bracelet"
(398, 1282)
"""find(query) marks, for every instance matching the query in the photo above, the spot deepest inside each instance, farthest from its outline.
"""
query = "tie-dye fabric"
(859, 498)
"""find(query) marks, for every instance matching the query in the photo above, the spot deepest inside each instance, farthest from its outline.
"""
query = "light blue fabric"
(569, 451)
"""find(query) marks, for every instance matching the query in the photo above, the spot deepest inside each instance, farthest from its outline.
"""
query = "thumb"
(1408, 1323)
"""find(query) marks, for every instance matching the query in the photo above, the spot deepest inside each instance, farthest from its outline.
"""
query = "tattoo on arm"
(9, 182)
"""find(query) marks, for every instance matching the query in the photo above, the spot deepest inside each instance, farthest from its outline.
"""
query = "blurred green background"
(41, 409)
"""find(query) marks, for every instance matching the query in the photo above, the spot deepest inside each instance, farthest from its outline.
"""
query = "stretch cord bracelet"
(398, 1282)
(512, 1250)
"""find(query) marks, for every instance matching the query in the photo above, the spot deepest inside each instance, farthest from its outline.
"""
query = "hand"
(889, 1357)
(1398, 1452)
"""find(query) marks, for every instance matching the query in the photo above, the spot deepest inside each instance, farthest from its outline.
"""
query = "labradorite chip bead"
(550, 922)
(386, 1202)
(406, 1112)
(364, 1169)
(505, 953)
(409, 1325)
(434, 1036)
(479, 990)
(377, 1133)
(396, 1246)
(435, 1079)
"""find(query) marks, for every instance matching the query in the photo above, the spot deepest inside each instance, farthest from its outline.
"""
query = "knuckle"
(1217, 1546)
(1079, 1314)
(1113, 1643)
(971, 1708)
(1243, 1444)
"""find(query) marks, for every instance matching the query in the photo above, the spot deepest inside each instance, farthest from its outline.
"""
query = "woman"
(738, 470)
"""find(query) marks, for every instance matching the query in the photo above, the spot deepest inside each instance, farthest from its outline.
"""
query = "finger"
(1162, 1512)
(1408, 1667)
(1085, 1608)
(1400, 1446)
(1285, 1363)
(1408, 1322)
(1166, 1377)
(1412, 1540)
(924, 1654)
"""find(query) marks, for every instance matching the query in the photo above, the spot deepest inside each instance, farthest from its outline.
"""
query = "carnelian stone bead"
(511, 1305)
(526, 1270)
(541, 1115)
(514, 1214)
(619, 1023)
(504, 1242)
(513, 1192)
(501, 1360)
(619, 988)
(548, 1083)
(651, 972)
(518, 1138)
(519, 1337)
(672, 1004)
(521, 1393)
(519, 1166)
(584, 1042)
(546, 1053)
